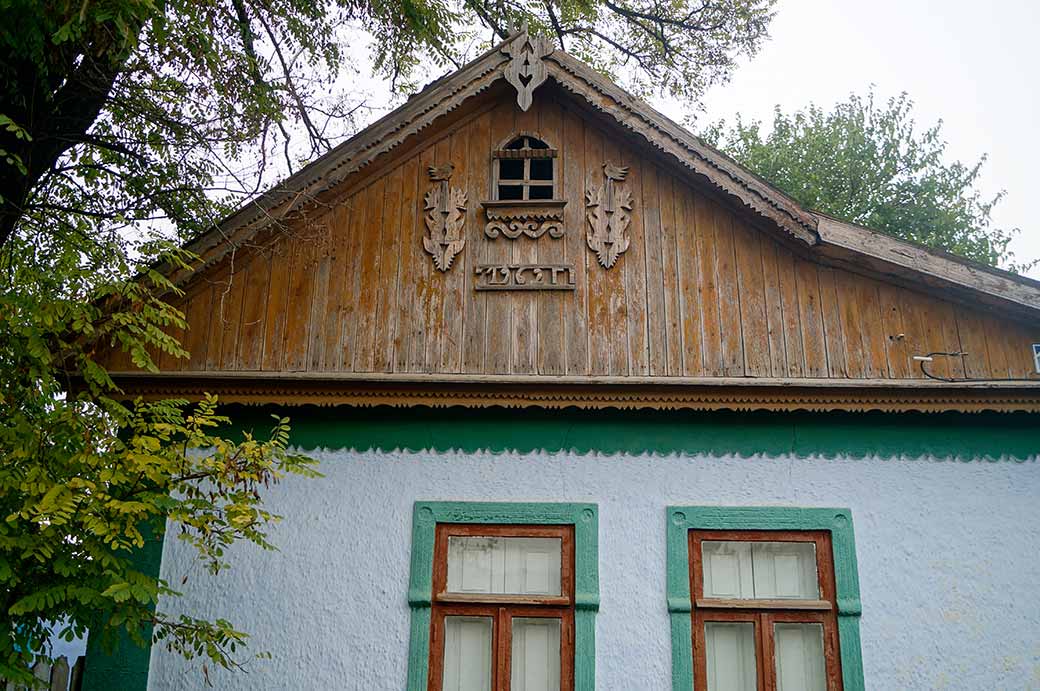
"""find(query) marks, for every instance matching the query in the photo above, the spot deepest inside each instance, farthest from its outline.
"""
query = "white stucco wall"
(949, 558)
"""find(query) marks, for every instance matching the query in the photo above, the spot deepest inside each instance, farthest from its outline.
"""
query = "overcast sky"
(975, 65)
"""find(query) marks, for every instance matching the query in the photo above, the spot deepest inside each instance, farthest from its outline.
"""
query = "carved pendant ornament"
(445, 218)
(525, 70)
(609, 215)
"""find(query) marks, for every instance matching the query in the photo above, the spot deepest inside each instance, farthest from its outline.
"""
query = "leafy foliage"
(868, 163)
(86, 477)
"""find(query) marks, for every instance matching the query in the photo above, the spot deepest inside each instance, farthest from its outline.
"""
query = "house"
(599, 408)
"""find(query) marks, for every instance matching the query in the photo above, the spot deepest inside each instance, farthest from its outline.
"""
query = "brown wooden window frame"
(765, 613)
(526, 155)
(501, 608)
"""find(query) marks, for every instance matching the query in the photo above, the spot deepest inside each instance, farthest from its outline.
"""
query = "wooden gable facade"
(721, 298)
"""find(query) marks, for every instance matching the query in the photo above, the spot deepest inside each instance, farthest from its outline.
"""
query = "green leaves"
(87, 478)
(869, 163)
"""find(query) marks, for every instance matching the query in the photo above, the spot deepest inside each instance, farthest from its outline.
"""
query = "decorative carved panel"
(445, 218)
(521, 217)
(609, 215)
(525, 277)
(525, 70)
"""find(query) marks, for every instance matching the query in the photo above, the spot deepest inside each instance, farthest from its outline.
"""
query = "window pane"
(730, 652)
(799, 657)
(510, 192)
(760, 570)
(504, 565)
(467, 654)
(535, 657)
(541, 192)
(541, 169)
(511, 169)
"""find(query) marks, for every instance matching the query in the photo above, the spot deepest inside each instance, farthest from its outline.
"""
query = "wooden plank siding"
(701, 291)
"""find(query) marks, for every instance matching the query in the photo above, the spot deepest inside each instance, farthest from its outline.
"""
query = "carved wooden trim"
(609, 215)
(441, 391)
(533, 218)
(445, 218)
(525, 70)
(525, 277)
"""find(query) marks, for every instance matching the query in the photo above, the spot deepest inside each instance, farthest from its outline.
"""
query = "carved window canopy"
(530, 217)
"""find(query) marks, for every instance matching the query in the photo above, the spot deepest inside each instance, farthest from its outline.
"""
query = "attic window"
(524, 169)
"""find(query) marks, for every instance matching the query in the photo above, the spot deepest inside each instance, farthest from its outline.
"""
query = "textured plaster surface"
(948, 551)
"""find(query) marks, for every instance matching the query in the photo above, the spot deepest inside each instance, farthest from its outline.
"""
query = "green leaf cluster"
(869, 163)
(87, 476)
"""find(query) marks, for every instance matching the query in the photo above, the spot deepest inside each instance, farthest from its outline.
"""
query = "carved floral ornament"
(525, 70)
(445, 218)
(609, 215)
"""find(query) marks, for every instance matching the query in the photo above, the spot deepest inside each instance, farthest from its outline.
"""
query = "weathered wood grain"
(701, 292)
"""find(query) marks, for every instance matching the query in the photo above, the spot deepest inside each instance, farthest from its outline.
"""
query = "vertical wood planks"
(600, 332)
(778, 361)
(655, 312)
(690, 308)
(792, 313)
(550, 305)
(389, 267)
(478, 162)
(499, 355)
(576, 334)
(617, 306)
(813, 329)
(368, 296)
(670, 276)
(729, 294)
(254, 309)
(409, 257)
(707, 289)
(754, 326)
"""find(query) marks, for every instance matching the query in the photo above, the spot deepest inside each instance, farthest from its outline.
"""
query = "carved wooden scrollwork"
(531, 218)
(445, 218)
(525, 70)
(609, 215)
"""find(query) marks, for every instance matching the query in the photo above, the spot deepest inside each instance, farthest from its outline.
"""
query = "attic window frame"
(525, 153)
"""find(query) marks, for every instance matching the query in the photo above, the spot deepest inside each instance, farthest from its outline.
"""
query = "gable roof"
(828, 239)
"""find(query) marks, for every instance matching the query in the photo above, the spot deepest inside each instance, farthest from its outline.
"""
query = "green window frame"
(585, 519)
(683, 519)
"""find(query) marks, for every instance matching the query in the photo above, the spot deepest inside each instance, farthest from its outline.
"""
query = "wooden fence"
(56, 677)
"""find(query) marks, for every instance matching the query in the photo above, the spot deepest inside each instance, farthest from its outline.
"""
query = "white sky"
(975, 65)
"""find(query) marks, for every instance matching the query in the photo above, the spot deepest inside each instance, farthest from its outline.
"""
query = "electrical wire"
(924, 359)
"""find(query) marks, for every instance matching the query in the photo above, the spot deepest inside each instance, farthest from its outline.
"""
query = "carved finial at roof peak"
(525, 70)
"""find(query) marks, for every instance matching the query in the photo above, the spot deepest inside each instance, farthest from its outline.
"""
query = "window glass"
(730, 653)
(511, 169)
(535, 654)
(504, 565)
(760, 570)
(510, 192)
(467, 653)
(799, 657)
(541, 192)
(541, 169)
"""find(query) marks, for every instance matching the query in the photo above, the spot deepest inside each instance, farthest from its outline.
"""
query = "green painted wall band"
(857, 435)
(585, 519)
(682, 519)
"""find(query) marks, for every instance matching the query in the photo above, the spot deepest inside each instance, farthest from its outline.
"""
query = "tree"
(130, 126)
(85, 477)
(120, 113)
(868, 163)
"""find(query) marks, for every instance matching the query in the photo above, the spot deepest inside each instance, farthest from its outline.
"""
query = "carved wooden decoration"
(513, 218)
(525, 277)
(445, 218)
(609, 215)
(525, 70)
